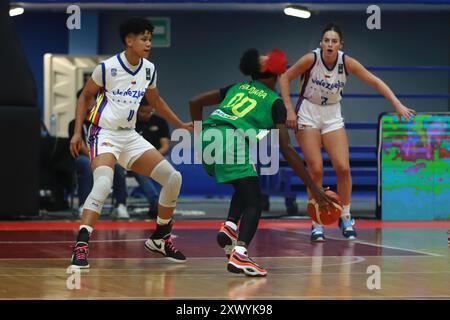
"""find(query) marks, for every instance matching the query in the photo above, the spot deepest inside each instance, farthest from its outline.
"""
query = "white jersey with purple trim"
(321, 85)
(123, 87)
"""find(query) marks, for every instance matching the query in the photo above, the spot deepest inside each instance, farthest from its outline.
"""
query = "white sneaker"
(122, 212)
(317, 233)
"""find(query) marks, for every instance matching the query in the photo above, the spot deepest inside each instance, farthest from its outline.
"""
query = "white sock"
(231, 224)
(88, 228)
(241, 250)
(346, 212)
(162, 222)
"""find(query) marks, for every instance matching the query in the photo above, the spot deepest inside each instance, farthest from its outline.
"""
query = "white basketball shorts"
(126, 145)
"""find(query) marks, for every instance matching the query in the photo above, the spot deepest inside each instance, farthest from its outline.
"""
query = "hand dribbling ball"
(325, 217)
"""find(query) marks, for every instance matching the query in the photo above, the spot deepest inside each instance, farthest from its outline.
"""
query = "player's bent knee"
(170, 180)
(175, 181)
(169, 193)
(162, 172)
(103, 181)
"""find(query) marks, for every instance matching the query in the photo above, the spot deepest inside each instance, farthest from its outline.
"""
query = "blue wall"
(40, 33)
(206, 46)
(85, 39)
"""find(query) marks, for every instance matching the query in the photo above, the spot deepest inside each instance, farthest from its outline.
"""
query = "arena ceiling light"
(15, 11)
(297, 11)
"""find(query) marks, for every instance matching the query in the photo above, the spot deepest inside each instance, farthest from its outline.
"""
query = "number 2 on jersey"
(239, 101)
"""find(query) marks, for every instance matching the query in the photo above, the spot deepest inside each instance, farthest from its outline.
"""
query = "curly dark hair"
(135, 25)
(249, 64)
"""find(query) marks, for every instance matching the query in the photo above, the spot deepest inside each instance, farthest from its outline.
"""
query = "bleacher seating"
(363, 164)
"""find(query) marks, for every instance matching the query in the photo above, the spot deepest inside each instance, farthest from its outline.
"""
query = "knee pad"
(169, 192)
(103, 181)
(170, 180)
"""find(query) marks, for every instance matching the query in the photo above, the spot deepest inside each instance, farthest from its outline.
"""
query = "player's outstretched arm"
(296, 163)
(299, 68)
(197, 103)
(356, 68)
(88, 94)
(154, 99)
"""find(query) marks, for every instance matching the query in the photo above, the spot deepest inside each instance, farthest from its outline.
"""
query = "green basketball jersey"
(247, 105)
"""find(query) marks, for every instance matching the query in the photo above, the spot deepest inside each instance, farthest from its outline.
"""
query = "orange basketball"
(325, 217)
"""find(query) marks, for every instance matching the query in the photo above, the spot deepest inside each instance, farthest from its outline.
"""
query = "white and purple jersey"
(123, 87)
(321, 85)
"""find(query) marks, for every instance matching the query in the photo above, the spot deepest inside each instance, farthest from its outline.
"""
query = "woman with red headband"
(245, 109)
(317, 119)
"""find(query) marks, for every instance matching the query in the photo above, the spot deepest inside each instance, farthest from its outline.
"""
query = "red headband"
(276, 62)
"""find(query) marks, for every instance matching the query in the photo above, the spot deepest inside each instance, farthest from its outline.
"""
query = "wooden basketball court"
(412, 259)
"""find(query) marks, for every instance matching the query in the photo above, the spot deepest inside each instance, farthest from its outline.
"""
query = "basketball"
(325, 217)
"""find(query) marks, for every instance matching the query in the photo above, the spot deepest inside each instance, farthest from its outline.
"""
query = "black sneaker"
(79, 255)
(166, 248)
(162, 231)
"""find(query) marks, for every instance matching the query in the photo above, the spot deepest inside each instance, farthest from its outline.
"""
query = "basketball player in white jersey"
(119, 84)
(317, 118)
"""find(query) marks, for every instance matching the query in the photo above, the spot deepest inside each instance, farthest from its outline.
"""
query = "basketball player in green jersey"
(246, 107)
